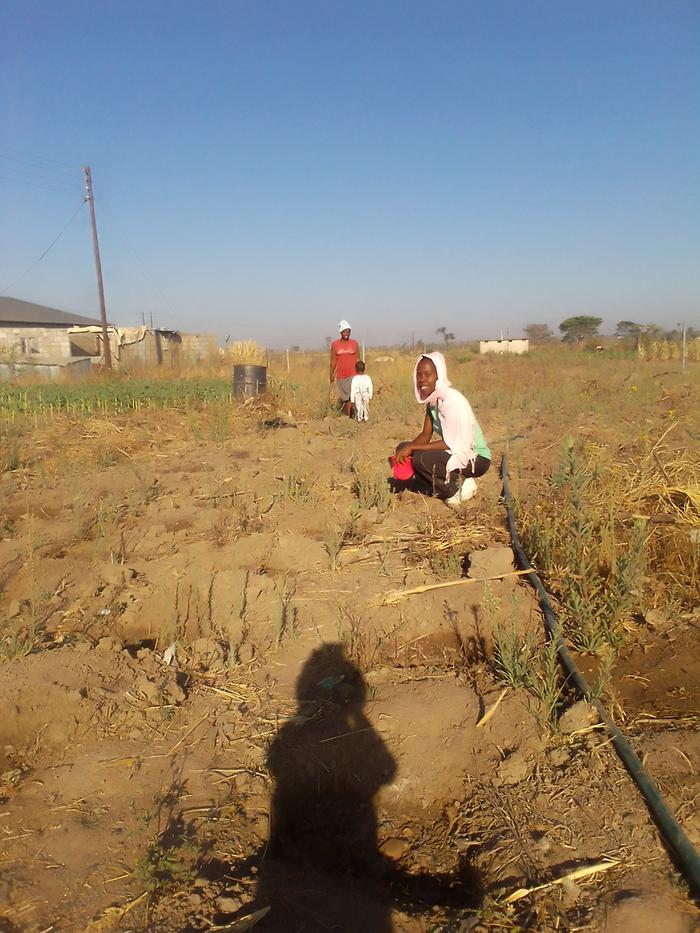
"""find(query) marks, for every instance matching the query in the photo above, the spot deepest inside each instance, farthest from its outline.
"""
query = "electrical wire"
(33, 155)
(32, 184)
(6, 288)
(41, 168)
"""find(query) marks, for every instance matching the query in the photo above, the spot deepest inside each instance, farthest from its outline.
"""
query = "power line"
(40, 168)
(33, 184)
(31, 155)
(6, 288)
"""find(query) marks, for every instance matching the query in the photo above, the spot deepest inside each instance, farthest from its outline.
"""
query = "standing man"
(344, 354)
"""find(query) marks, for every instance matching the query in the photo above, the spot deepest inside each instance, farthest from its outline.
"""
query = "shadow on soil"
(322, 867)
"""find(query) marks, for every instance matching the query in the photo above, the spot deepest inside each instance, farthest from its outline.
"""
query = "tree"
(446, 335)
(652, 331)
(539, 333)
(628, 329)
(579, 328)
(677, 333)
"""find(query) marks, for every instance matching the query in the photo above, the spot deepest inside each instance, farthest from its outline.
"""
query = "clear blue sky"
(264, 168)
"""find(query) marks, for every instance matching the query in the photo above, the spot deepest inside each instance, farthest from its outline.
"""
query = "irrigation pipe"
(687, 856)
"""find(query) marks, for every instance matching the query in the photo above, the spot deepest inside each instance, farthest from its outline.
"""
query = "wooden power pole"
(106, 349)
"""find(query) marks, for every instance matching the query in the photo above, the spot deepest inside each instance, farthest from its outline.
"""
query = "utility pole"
(106, 349)
(682, 346)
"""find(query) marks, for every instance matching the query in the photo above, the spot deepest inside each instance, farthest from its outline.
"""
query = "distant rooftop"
(16, 311)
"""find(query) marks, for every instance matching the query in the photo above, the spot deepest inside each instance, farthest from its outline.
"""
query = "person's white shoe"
(467, 491)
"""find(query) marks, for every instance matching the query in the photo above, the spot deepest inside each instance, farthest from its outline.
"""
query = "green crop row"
(112, 397)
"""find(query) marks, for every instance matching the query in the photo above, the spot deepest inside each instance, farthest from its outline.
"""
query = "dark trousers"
(429, 469)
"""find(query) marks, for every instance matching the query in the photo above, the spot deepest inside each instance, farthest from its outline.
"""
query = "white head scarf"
(442, 384)
(343, 325)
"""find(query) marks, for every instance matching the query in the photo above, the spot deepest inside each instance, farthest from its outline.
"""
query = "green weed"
(162, 867)
(9, 451)
(297, 488)
(18, 638)
(447, 564)
(547, 685)
(384, 555)
(574, 543)
(288, 622)
(220, 421)
(514, 656)
(333, 541)
(359, 639)
(519, 663)
(170, 858)
(371, 489)
(603, 679)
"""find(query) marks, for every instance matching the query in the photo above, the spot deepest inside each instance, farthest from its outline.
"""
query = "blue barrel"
(249, 380)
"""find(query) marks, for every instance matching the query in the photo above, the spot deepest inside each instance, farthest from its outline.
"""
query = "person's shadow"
(322, 864)
(321, 868)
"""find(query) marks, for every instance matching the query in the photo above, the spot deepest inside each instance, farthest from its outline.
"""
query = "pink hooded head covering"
(455, 412)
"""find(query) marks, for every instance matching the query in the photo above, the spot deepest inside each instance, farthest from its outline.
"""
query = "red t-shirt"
(346, 355)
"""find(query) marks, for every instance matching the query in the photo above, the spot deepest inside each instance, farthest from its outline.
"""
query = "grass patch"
(297, 488)
(520, 663)
(593, 567)
(371, 489)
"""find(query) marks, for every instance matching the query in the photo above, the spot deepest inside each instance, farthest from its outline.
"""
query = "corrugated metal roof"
(16, 311)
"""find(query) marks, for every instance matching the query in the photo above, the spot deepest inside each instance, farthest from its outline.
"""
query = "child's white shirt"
(361, 388)
(360, 394)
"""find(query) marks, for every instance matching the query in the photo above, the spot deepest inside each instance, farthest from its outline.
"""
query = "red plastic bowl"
(402, 470)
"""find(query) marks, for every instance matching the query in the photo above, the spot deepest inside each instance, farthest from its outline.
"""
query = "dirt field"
(214, 706)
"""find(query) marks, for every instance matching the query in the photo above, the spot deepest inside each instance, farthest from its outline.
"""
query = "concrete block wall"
(198, 348)
(180, 350)
(142, 353)
(186, 349)
(48, 341)
(85, 344)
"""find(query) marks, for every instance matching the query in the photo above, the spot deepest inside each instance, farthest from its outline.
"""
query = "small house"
(29, 330)
(504, 346)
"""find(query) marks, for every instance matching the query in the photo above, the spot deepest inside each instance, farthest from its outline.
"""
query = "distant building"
(46, 341)
(144, 347)
(27, 329)
(504, 346)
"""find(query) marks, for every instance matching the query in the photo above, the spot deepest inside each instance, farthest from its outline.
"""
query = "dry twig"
(388, 599)
(575, 875)
(492, 709)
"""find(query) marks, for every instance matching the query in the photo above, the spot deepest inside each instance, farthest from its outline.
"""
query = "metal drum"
(249, 380)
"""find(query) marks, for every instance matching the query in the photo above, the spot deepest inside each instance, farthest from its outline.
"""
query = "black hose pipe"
(686, 854)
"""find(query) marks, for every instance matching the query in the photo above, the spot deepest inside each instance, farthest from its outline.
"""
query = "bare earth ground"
(138, 790)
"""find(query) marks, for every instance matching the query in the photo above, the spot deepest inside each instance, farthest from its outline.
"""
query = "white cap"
(343, 325)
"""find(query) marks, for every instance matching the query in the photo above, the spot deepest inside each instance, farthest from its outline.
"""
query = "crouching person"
(450, 452)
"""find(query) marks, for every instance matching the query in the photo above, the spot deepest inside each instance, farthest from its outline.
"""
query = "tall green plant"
(574, 543)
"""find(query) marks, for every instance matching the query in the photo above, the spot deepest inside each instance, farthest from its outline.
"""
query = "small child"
(361, 392)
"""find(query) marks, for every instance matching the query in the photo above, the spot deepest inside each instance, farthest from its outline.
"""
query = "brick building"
(48, 341)
(28, 330)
